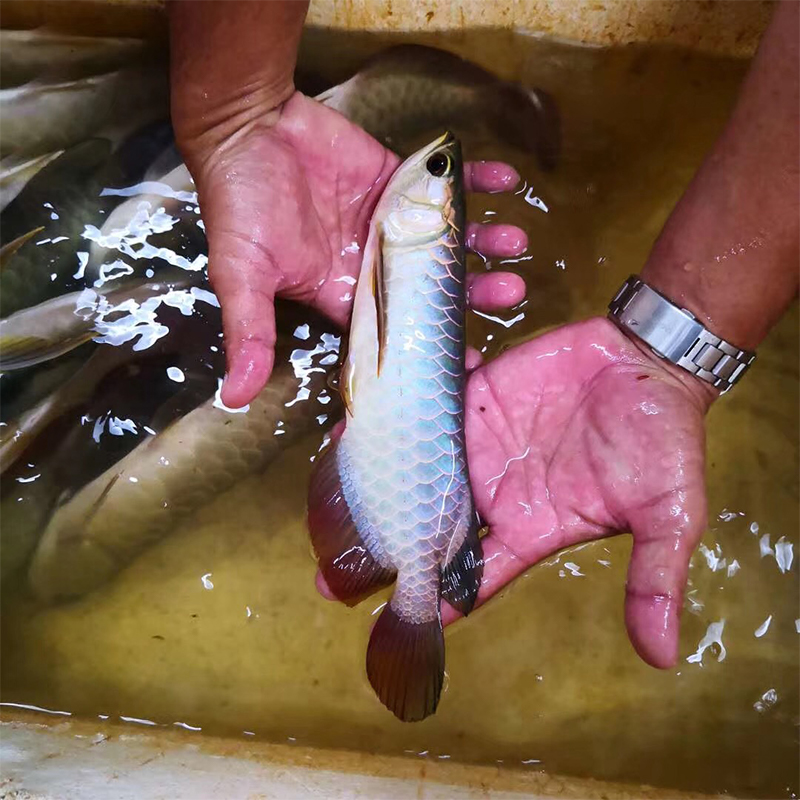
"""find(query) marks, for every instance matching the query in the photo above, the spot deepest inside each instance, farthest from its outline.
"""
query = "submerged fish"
(40, 117)
(391, 498)
(67, 197)
(412, 89)
(57, 326)
(188, 463)
(27, 55)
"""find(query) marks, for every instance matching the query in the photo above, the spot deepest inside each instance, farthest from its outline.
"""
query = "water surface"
(218, 626)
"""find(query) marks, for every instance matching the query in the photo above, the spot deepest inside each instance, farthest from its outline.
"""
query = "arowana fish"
(391, 498)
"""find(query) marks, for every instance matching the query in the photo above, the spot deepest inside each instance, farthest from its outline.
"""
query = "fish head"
(424, 199)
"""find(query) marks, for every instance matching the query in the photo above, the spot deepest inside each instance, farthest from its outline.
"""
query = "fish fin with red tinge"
(461, 576)
(405, 664)
(351, 571)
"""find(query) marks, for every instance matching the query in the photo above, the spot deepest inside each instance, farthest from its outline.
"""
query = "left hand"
(577, 435)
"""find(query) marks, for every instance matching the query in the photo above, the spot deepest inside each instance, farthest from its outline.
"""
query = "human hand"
(579, 434)
(286, 204)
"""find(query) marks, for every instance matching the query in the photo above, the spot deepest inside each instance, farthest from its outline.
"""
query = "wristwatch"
(674, 334)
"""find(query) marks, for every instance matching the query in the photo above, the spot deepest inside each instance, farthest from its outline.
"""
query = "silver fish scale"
(402, 457)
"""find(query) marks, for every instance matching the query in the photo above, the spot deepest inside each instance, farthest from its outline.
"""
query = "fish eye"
(438, 164)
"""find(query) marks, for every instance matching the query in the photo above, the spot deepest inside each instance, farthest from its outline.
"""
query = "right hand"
(286, 204)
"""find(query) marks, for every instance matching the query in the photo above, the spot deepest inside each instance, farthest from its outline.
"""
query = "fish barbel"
(391, 498)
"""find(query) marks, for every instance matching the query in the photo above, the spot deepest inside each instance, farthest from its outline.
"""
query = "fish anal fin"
(405, 664)
(351, 571)
(461, 576)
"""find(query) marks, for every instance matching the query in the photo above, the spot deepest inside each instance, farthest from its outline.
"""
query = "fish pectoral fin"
(462, 574)
(351, 571)
(17, 352)
(379, 293)
(8, 250)
(405, 664)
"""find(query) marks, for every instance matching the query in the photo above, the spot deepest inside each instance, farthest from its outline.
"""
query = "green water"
(219, 627)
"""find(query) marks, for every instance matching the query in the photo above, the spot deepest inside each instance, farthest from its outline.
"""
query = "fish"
(28, 55)
(167, 194)
(409, 90)
(57, 326)
(134, 503)
(59, 444)
(390, 500)
(69, 196)
(41, 117)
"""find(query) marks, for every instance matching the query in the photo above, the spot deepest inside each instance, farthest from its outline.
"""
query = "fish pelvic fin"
(351, 571)
(405, 664)
(8, 250)
(17, 352)
(462, 574)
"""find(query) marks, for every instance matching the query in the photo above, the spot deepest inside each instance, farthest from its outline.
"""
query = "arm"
(729, 252)
(232, 65)
(601, 436)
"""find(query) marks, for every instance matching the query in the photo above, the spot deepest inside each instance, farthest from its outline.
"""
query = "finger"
(473, 359)
(494, 291)
(496, 241)
(247, 297)
(489, 176)
(500, 566)
(663, 542)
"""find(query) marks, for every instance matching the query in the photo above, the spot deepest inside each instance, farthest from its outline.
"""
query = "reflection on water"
(217, 626)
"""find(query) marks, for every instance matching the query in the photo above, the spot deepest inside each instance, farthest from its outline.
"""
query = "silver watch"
(675, 334)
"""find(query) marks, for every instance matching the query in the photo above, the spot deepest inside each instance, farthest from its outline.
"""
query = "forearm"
(729, 252)
(232, 64)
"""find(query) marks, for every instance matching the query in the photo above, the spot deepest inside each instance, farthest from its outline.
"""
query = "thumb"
(665, 534)
(244, 277)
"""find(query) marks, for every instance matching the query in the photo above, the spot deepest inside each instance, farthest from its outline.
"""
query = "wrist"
(203, 128)
(703, 393)
(670, 334)
(231, 68)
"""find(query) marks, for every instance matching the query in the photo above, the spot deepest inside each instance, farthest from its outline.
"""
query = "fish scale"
(424, 423)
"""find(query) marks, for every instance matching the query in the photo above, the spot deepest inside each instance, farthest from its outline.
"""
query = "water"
(218, 626)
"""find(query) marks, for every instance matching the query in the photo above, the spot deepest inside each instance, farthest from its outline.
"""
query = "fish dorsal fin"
(350, 569)
(379, 293)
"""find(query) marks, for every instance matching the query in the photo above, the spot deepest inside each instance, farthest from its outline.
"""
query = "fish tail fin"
(350, 569)
(405, 664)
(462, 574)
(528, 119)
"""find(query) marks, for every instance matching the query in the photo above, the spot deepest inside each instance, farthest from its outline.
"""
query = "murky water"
(218, 626)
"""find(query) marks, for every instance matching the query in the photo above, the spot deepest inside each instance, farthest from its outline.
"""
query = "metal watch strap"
(675, 334)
